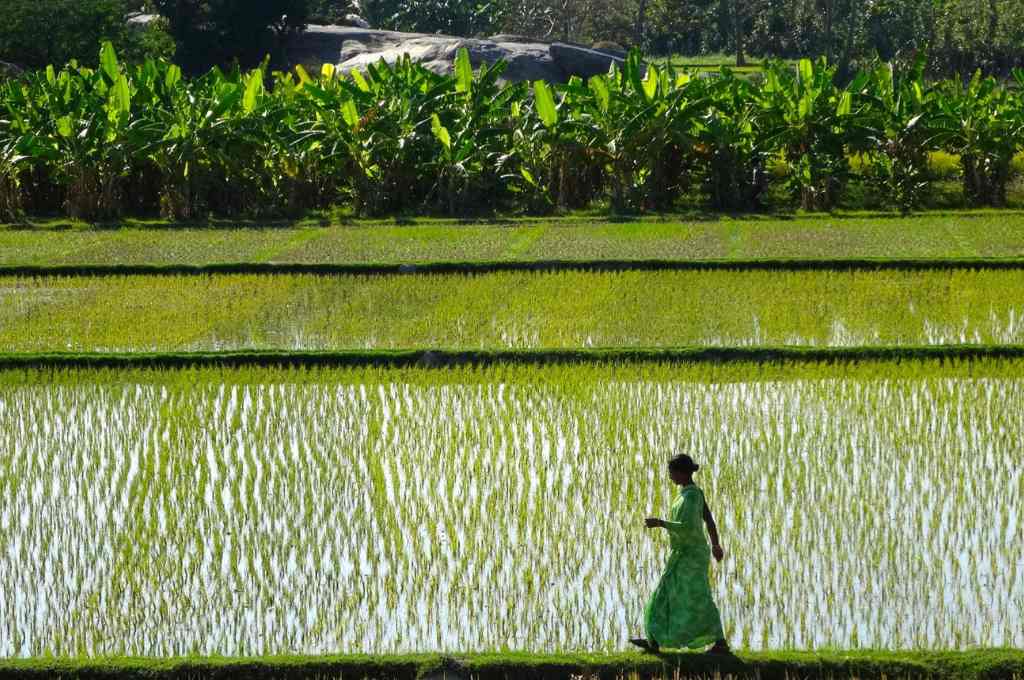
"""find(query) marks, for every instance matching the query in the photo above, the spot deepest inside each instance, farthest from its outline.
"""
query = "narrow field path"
(980, 664)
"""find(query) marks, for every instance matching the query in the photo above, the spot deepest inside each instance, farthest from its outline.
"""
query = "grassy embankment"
(997, 664)
(429, 358)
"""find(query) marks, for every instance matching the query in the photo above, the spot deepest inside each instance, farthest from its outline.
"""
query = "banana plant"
(27, 155)
(729, 143)
(245, 148)
(329, 132)
(300, 167)
(398, 137)
(12, 163)
(85, 124)
(15, 159)
(805, 117)
(530, 183)
(187, 131)
(557, 148)
(898, 131)
(645, 119)
(984, 125)
(388, 117)
(279, 165)
(629, 130)
(474, 135)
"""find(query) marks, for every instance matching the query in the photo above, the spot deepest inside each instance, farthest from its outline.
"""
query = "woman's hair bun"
(683, 462)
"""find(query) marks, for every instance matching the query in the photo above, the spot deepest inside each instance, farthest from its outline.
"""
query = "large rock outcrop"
(528, 59)
(8, 70)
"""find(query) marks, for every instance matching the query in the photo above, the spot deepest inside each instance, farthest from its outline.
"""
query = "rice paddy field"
(932, 235)
(285, 515)
(564, 309)
(261, 511)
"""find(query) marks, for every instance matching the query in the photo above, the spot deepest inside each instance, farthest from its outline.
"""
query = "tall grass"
(264, 511)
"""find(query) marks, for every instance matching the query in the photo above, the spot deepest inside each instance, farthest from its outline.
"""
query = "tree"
(843, 32)
(898, 29)
(451, 17)
(577, 21)
(736, 19)
(37, 33)
(222, 31)
(330, 11)
(985, 34)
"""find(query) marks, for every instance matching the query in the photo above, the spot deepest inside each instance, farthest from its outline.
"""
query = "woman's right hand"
(653, 523)
(718, 552)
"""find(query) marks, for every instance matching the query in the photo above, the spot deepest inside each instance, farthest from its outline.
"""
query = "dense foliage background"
(196, 33)
(218, 31)
(37, 33)
(958, 35)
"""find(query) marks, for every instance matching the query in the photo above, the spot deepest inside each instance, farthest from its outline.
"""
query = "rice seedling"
(242, 512)
(961, 234)
(512, 310)
(978, 234)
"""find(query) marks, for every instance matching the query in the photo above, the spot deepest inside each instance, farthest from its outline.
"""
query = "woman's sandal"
(651, 647)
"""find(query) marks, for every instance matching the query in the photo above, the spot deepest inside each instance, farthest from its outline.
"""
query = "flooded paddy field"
(567, 309)
(254, 511)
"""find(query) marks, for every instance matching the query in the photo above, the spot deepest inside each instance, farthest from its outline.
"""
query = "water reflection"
(183, 514)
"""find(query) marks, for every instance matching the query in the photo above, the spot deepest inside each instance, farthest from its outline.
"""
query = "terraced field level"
(512, 310)
(873, 505)
(997, 234)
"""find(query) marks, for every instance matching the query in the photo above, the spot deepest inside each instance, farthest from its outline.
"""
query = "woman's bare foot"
(650, 646)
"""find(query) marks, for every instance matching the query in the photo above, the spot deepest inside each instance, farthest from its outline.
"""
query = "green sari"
(681, 612)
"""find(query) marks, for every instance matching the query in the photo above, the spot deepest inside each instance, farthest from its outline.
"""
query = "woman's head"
(681, 468)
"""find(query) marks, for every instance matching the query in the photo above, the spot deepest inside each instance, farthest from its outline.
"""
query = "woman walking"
(681, 612)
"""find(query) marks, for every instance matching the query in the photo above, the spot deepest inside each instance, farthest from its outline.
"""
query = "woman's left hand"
(653, 522)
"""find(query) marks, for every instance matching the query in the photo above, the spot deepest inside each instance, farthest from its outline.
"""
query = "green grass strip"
(979, 664)
(494, 266)
(445, 358)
